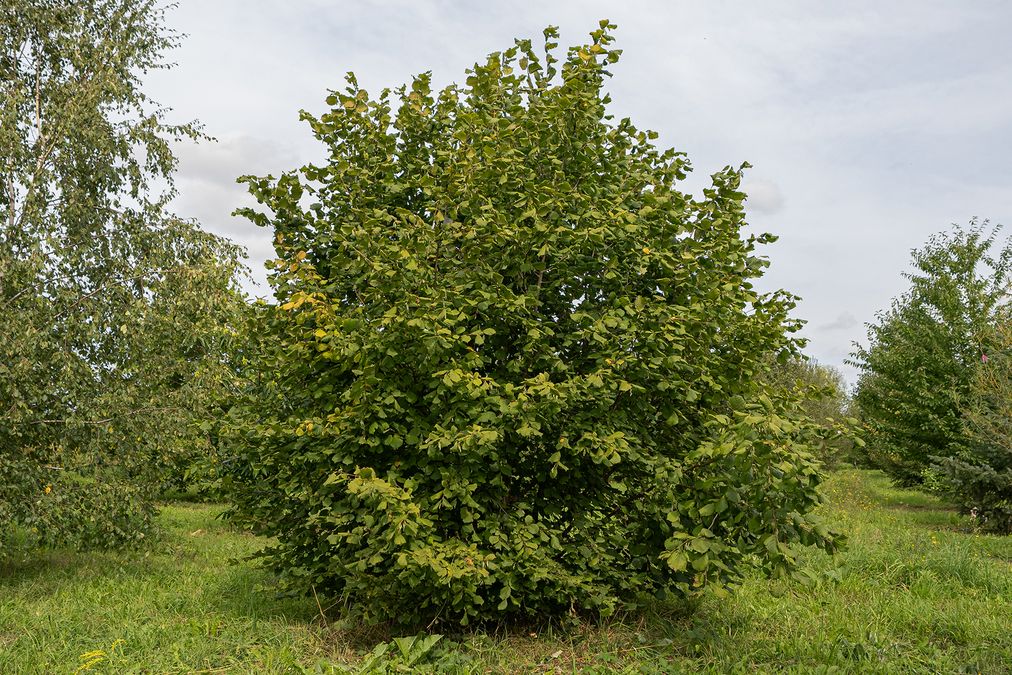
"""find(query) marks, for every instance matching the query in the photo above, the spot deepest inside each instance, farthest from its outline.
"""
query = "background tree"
(918, 368)
(112, 310)
(980, 478)
(514, 369)
(823, 392)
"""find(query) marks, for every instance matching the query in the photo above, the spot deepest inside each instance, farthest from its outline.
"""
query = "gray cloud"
(844, 321)
(208, 192)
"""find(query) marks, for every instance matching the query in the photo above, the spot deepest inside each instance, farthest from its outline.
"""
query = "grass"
(918, 591)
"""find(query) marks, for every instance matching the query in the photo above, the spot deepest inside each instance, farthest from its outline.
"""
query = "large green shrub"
(919, 365)
(513, 370)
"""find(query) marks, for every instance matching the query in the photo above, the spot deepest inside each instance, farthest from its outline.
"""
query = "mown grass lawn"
(919, 591)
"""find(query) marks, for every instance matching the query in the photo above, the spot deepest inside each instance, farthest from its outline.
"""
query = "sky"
(869, 125)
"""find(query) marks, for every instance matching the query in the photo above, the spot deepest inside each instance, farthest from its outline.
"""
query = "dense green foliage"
(980, 478)
(919, 366)
(48, 506)
(114, 314)
(513, 369)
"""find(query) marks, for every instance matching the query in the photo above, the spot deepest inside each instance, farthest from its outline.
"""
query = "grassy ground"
(918, 592)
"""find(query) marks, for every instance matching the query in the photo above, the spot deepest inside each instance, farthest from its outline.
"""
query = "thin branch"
(106, 286)
(318, 605)
(38, 98)
(107, 420)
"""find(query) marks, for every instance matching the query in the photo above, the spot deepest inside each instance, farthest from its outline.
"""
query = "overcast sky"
(870, 125)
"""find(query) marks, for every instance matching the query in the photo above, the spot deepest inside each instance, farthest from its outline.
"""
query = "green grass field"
(918, 592)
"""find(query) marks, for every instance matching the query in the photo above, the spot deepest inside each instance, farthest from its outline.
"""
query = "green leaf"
(678, 561)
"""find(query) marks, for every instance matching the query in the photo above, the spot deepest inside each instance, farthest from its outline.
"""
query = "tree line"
(933, 394)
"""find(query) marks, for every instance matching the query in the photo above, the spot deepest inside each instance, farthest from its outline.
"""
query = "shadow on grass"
(53, 569)
(242, 590)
